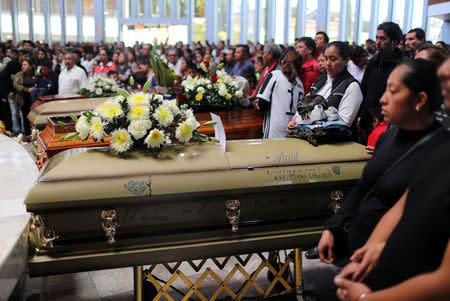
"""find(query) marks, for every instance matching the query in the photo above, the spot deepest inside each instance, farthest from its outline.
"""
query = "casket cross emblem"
(232, 212)
(110, 224)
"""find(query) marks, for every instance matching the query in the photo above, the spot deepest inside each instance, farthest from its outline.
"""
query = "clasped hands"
(350, 280)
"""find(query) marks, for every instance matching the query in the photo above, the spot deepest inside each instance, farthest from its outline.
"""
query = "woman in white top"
(338, 86)
(279, 94)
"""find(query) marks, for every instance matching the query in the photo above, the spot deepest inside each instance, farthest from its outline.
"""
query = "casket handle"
(39, 236)
(232, 212)
(336, 197)
(110, 224)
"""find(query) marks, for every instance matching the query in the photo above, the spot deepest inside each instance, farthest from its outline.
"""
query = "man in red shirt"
(306, 47)
(321, 41)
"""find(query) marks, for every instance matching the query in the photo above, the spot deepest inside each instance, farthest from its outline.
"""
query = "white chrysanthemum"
(222, 90)
(155, 139)
(96, 130)
(239, 93)
(111, 110)
(82, 127)
(138, 99)
(139, 128)
(189, 113)
(193, 122)
(121, 140)
(184, 132)
(139, 113)
(172, 105)
(98, 91)
(201, 90)
(163, 115)
(209, 86)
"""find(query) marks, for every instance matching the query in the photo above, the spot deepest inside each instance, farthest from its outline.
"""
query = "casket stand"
(92, 209)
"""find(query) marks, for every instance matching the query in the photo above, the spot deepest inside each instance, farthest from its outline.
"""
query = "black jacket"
(7, 77)
(375, 78)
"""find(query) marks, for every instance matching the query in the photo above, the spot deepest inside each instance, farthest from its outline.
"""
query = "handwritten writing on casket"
(302, 173)
(282, 157)
(138, 187)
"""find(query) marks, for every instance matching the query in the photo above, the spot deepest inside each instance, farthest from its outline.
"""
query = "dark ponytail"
(291, 65)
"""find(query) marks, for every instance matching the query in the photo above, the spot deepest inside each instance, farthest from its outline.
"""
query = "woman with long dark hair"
(24, 82)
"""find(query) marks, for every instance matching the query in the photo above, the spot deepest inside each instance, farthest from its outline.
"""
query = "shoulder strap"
(424, 139)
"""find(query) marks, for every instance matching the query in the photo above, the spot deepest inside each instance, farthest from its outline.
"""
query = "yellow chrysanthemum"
(199, 96)
(163, 115)
(184, 132)
(137, 99)
(155, 138)
(112, 109)
(102, 107)
(228, 96)
(96, 129)
(139, 113)
(121, 140)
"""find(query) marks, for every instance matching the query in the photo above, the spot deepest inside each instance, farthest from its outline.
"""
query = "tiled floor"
(117, 284)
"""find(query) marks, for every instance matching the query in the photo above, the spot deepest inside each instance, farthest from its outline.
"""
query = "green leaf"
(123, 92)
(202, 65)
(131, 81)
(60, 123)
(61, 138)
(76, 137)
(213, 139)
(74, 118)
(220, 66)
(209, 123)
(146, 86)
(70, 136)
(202, 139)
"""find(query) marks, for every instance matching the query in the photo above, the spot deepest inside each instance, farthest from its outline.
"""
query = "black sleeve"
(263, 105)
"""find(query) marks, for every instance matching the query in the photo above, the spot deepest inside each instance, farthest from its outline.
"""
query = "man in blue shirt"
(47, 82)
(243, 65)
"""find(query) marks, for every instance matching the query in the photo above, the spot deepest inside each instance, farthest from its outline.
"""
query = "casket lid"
(38, 116)
(78, 176)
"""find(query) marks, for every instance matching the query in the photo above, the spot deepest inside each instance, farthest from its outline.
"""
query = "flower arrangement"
(138, 119)
(99, 87)
(164, 75)
(213, 92)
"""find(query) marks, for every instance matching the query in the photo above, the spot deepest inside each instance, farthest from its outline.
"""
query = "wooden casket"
(93, 209)
(49, 98)
(38, 115)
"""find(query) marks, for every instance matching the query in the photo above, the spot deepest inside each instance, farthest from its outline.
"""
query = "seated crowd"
(389, 239)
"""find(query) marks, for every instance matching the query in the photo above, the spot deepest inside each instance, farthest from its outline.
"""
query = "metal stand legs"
(138, 283)
(298, 274)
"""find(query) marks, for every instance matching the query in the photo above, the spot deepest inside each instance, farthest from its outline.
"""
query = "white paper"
(219, 131)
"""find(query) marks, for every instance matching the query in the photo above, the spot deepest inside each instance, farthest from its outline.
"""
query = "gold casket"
(38, 115)
(94, 209)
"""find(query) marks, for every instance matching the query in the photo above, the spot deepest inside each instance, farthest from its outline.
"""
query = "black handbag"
(340, 235)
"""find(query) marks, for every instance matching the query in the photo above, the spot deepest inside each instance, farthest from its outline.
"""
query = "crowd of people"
(391, 233)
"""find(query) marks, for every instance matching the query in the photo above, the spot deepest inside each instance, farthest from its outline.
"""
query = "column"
(62, 13)
(390, 10)
(445, 34)
(134, 6)
(79, 16)
(46, 12)
(425, 16)
(357, 27)
(373, 20)
(30, 20)
(244, 17)
(228, 22)
(119, 4)
(13, 9)
(174, 8)
(301, 18)
(271, 13)
(211, 21)
(162, 8)
(342, 22)
(99, 19)
(287, 20)
(322, 15)
(257, 20)
(190, 19)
